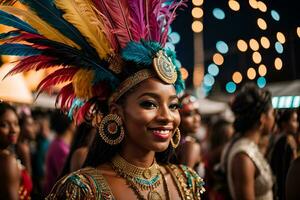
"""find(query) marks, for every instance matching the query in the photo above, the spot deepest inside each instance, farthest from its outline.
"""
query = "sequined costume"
(89, 183)
(263, 182)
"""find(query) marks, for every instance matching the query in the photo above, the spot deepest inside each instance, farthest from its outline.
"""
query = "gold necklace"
(145, 178)
(152, 194)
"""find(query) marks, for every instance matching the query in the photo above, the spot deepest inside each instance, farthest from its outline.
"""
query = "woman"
(189, 152)
(286, 146)
(248, 173)
(119, 78)
(14, 179)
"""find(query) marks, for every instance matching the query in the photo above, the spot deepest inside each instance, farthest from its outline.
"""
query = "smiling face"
(150, 115)
(9, 128)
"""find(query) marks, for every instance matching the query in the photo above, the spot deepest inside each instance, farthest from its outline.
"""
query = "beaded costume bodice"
(89, 183)
(263, 182)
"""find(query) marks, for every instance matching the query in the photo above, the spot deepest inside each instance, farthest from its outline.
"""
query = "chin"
(160, 147)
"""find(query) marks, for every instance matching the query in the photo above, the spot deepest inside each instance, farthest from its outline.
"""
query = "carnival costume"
(100, 49)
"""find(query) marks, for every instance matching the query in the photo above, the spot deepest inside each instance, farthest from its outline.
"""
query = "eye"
(148, 104)
(175, 106)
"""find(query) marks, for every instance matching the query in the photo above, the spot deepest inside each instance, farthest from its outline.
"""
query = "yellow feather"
(82, 83)
(81, 14)
(40, 25)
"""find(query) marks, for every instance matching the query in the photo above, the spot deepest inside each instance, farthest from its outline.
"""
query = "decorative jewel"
(164, 67)
(176, 139)
(145, 178)
(154, 195)
(111, 129)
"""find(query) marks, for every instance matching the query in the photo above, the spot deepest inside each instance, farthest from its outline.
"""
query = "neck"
(137, 157)
(253, 135)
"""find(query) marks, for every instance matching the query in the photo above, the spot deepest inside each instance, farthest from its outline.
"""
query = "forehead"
(153, 86)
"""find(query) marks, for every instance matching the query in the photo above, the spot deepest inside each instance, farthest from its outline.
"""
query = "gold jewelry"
(129, 83)
(111, 129)
(164, 67)
(177, 136)
(129, 172)
(146, 178)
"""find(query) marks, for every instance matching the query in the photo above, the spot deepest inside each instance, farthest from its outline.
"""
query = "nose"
(164, 114)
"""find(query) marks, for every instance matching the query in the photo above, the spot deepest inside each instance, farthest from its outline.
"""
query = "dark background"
(242, 25)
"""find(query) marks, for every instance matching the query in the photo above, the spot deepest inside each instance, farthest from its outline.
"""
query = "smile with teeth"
(163, 134)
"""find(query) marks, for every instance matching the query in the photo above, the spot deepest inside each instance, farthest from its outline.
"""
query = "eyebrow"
(156, 96)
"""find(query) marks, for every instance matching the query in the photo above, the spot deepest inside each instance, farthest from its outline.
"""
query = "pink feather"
(137, 19)
(118, 15)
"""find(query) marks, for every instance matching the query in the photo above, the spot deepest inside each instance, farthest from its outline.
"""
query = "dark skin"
(149, 108)
(243, 169)
(9, 170)
(190, 124)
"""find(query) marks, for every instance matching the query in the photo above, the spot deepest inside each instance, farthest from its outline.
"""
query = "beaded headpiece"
(99, 48)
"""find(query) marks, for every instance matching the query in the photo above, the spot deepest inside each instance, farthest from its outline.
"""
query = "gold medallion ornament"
(164, 67)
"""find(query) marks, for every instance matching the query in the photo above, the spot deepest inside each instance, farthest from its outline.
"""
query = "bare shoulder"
(7, 162)
(80, 152)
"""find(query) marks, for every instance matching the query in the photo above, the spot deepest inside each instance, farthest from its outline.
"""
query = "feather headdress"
(90, 43)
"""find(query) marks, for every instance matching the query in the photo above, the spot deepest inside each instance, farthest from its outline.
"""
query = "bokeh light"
(242, 45)
(170, 46)
(230, 87)
(261, 23)
(298, 31)
(262, 70)
(253, 44)
(278, 47)
(197, 2)
(256, 57)
(278, 63)
(174, 37)
(213, 69)
(184, 73)
(197, 12)
(237, 77)
(218, 59)
(222, 47)
(261, 82)
(280, 37)
(261, 6)
(275, 15)
(253, 4)
(218, 13)
(208, 80)
(197, 26)
(234, 5)
(265, 42)
(251, 73)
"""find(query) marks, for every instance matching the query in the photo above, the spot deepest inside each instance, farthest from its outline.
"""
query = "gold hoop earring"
(111, 129)
(177, 139)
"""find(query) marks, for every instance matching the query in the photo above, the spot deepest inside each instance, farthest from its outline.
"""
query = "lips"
(12, 138)
(161, 133)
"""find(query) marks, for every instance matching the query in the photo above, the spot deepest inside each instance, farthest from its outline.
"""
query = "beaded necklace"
(141, 178)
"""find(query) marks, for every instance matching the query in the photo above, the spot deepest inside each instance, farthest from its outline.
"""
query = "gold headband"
(163, 67)
(130, 82)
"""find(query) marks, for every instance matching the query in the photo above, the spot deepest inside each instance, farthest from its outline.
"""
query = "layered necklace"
(141, 179)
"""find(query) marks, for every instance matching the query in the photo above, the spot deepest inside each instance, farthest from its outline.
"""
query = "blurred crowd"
(40, 146)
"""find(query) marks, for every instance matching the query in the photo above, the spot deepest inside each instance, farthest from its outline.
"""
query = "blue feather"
(18, 50)
(9, 34)
(12, 21)
(100, 76)
(138, 53)
(46, 10)
(75, 104)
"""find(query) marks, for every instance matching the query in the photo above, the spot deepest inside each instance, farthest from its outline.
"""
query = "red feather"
(33, 63)
(57, 77)
(65, 97)
(81, 112)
